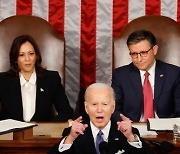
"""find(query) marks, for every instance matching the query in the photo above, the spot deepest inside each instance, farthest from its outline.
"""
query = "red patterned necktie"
(148, 98)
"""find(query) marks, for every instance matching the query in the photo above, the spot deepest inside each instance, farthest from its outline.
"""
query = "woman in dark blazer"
(28, 91)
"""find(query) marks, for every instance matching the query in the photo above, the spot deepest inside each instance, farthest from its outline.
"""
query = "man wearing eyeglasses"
(146, 88)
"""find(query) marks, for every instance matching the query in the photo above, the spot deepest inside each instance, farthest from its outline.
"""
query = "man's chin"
(100, 125)
(141, 68)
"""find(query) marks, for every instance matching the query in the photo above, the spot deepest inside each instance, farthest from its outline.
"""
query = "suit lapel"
(88, 141)
(15, 94)
(115, 141)
(40, 94)
(136, 81)
(159, 81)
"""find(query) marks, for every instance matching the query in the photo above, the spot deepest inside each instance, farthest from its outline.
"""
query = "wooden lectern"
(23, 134)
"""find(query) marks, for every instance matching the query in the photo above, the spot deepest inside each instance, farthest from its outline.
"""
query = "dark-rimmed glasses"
(142, 53)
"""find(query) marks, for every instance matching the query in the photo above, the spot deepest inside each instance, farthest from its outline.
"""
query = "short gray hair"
(99, 86)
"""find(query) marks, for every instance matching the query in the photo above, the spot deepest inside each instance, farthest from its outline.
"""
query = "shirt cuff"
(137, 143)
(63, 147)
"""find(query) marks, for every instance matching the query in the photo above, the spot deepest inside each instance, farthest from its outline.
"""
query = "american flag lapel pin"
(41, 89)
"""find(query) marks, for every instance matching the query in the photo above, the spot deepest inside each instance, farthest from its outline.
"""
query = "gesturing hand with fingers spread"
(76, 129)
(125, 127)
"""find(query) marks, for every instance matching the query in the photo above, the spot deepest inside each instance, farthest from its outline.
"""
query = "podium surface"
(32, 140)
(42, 137)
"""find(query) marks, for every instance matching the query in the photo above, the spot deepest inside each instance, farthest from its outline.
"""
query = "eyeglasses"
(142, 53)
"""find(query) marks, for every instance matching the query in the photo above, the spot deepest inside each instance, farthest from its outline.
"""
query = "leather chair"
(50, 43)
(165, 29)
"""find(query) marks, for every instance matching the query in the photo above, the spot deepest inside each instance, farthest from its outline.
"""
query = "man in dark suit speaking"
(85, 137)
(146, 88)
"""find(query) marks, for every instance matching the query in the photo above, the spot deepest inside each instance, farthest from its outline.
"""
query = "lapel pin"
(116, 139)
(161, 75)
(42, 90)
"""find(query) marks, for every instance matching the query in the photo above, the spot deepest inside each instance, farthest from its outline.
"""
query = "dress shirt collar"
(105, 131)
(32, 79)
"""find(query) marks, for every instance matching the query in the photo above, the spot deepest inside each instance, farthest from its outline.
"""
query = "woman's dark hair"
(141, 35)
(14, 54)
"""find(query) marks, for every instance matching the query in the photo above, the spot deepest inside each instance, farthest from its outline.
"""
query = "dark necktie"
(99, 139)
(148, 99)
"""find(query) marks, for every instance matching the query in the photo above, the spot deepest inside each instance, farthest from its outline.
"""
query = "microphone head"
(103, 147)
(167, 146)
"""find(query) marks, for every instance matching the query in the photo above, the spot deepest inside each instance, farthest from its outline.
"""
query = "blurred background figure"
(146, 88)
(28, 92)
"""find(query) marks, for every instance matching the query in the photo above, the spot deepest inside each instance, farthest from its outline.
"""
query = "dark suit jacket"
(126, 82)
(49, 91)
(116, 141)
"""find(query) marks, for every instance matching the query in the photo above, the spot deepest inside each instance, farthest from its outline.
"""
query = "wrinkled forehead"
(99, 89)
(99, 95)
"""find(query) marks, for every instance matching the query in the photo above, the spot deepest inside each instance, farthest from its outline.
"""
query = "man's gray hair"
(99, 86)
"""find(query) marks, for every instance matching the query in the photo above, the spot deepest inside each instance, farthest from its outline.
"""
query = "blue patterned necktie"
(99, 139)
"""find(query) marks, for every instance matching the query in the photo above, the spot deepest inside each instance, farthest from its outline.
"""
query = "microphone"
(164, 145)
(103, 147)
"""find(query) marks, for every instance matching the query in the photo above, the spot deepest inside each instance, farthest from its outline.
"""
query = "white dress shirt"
(63, 147)
(151, 72)
(28, 91)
